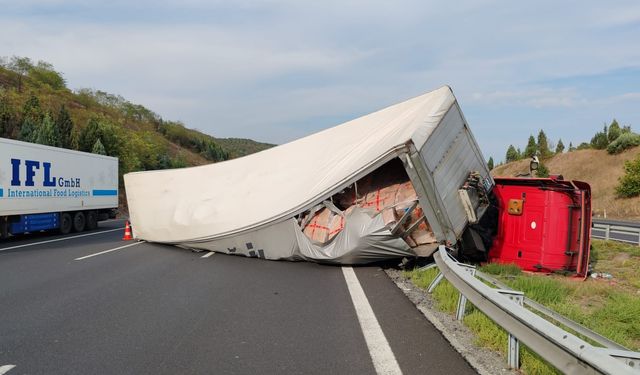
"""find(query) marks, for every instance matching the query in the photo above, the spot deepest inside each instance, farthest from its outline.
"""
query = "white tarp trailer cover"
(251, 205)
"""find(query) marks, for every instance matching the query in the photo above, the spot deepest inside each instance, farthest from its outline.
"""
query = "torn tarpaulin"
(256, 205)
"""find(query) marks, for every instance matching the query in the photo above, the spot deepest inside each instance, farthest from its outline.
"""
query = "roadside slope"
(596, 167)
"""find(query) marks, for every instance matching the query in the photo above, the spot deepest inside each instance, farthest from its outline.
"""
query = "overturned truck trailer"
(391, 184)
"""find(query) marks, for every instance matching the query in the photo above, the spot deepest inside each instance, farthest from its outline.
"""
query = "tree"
(32, 111)
(8, 119)
(74, 141)
(614, 131)
(99, 129)
(43, 72)
(600, 141)
(560, 147)
(571, 148)
(512, 154)
(98, 148)
(45, 134)
(629, 183)
(490, 163)
(543, 145)
(28, 130)
(64, 128)
(164, 161)
(532, 148)
(212, 151)
(542, 171)
(20, 65)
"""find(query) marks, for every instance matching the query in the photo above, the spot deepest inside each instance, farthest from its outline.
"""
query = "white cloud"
(272, 69)
(534, 97)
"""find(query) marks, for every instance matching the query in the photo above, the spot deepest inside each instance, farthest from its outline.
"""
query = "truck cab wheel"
(92, 220)
(79, 222)
(65, 223)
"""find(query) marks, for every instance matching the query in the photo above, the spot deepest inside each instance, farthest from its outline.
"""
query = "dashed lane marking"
(108, 251)
(59, 239)
(4, 369)
(379, 349)
(210, 253)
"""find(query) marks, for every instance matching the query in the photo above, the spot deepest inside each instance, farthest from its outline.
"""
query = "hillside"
(596, 167)
(36, 106)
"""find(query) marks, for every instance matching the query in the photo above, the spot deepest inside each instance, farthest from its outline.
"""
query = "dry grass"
(595, 167)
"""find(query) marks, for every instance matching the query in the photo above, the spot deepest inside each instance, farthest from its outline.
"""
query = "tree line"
(32, 109)
(613, 138)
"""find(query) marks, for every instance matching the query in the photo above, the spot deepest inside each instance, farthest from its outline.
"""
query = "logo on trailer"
(30, 171)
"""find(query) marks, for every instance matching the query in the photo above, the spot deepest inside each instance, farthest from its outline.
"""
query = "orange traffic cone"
(127, 232)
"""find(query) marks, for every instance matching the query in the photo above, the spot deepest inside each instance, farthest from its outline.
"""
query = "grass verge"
(609, 307)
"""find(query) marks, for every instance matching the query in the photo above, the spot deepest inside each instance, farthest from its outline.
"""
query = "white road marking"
(59, 239)
(4, 369)
(113, 221)
(381, 354)
(110, 250)
(210, 253)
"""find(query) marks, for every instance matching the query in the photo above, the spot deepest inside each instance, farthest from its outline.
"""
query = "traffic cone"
(127, 232)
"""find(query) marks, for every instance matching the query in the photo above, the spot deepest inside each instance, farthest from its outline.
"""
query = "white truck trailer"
(49, 188)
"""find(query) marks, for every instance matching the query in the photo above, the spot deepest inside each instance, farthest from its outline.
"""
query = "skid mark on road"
(108, 251)
(380, 351)
(4, 369)
(59, 239)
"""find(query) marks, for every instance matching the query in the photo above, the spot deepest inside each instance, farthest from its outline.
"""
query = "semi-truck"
(49, 188)
(396, 183)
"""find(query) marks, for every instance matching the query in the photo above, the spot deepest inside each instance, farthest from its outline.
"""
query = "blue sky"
(278, 70)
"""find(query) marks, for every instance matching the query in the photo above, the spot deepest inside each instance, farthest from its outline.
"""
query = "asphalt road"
(153, 309)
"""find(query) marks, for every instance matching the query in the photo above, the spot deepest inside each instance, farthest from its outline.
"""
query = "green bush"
(623, 142)
(600, 141)
(583, 146)
(629, 184)
(542, 171)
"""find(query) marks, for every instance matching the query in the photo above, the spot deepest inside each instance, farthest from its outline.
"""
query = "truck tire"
(92, 220)
(65, 223)
(4, 227)
(79, 221)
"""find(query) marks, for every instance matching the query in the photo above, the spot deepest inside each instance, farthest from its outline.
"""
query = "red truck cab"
(544, 224)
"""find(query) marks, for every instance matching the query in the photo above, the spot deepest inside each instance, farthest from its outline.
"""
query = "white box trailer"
(44, 188)
(394, 183)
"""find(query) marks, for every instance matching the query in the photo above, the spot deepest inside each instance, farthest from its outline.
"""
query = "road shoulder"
(484, 361)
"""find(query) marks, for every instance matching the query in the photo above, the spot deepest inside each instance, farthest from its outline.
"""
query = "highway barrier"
(523, 319)
(622, 231)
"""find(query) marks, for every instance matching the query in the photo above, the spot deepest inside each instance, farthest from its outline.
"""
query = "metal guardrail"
(622, 231)
(565, 351)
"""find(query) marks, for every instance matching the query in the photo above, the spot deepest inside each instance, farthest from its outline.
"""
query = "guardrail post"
(607, 232)
(513, 350)
(462, 300)
(435, 282)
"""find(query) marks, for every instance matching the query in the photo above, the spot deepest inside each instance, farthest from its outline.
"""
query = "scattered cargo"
(47, 188)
